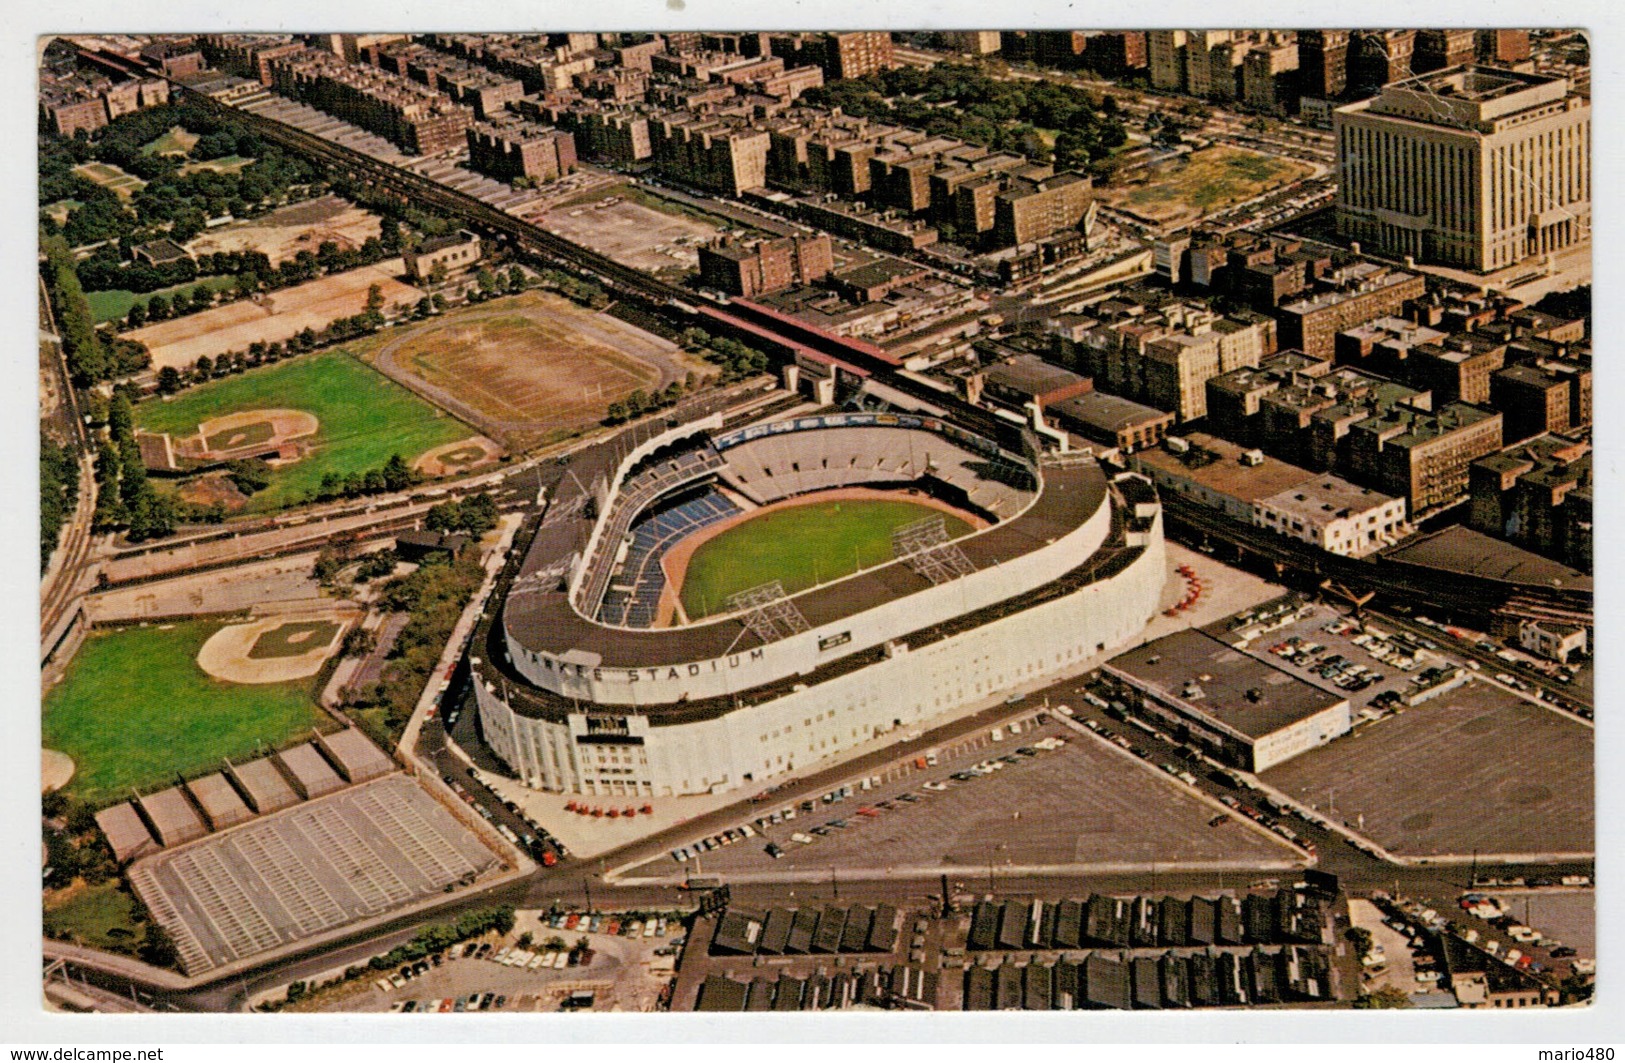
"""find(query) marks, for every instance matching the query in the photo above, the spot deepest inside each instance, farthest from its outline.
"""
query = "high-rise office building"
(1477, 167)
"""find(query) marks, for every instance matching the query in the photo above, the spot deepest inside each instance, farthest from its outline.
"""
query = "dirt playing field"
(528, 368)
(458, 457)
(55, 770)
(212, 489)
(252, 430)
(272, 317)
(274, 649)
(284, 233)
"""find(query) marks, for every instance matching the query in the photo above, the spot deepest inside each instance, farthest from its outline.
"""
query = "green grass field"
(176, 141)
(799, 547)
(135, 709)
(1212, 178)
(224, 164)
(113, 305)
(101, 916)
(365, 417)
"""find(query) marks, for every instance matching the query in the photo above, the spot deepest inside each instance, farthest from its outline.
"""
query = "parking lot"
(1476, 768)
(620, 967)
(1005, 804)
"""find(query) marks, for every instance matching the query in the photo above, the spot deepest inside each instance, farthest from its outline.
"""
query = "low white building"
(1553, 641)
(1335, 515)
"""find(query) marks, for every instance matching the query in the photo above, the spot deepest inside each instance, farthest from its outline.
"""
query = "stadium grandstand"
(594, 679)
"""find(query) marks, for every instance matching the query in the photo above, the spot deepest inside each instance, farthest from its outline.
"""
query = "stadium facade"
(587, 687)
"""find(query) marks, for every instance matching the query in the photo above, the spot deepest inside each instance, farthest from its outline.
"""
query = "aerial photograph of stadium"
(814, 521)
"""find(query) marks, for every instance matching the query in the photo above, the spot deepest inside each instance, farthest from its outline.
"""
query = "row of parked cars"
(1335, 668)
(536, 840)
(471, 1002)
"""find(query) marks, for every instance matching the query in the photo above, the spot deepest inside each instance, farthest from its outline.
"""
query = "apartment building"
(1536, 494)
(514, 148)
(726, 156)
(415, 118)
(248, 55)
(1423, 457)
(1353, 296)
(1323, 63)
(761, 267)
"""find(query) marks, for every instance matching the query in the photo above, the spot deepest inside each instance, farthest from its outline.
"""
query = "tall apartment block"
(1475, 167)
(1270, 78)
(749, 269)
(973, 42)
(1116, 52)
(847, 55)
(1165, 55)
(710, 153)
(514, 148)
(415, 118)
(1323, 63)
(1378, 57)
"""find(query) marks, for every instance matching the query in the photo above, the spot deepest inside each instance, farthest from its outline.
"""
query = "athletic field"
(135, 709)
(525, 369)
(114, 304)
(364, 417)
(800, 546)
(1209, 180)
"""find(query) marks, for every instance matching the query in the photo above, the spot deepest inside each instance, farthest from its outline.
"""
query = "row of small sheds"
(1282, 917)
(802, 931)
(880, 987)
(240, 792)
(1210, 978)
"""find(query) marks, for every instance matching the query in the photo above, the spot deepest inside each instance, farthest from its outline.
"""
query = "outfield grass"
(135, 709)
(115, 304)
(365, 417)
(799, 547)
(101, 916)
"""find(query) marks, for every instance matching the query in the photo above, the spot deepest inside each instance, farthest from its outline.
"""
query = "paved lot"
(1398, 970)
(1311, 629)
(1570, 916)
(284, 579)
(1085, 805)
(619, 976)
(1477, 768)
(639, 236)
(306, 870)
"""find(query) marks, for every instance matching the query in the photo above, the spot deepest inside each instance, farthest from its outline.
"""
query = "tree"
(375, 297)
(398, 476)
(486, 280)
(437, 274)
(157, 948)
(137, 316)
(1360, 938)
(169, 380)
(249, 475)
(1384, 997)
(516, 278)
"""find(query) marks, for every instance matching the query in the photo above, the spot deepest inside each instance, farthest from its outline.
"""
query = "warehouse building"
(1240, 709)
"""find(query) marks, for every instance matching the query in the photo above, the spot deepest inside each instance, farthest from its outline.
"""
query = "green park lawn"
(365, 418)
(799, 547)
(1215, 177)
(135, 710)
(176, 141)
(115, 304)
(102, 916)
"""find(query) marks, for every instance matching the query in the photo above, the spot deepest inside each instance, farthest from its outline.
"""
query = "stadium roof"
(1240, 691)
(544, 620)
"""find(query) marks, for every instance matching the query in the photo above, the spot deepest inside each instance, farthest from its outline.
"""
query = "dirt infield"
(274, 317)
(459, 457)
(675, 561)
(271, 649)
(55, 770)
(222, 438)
(521, 369)
(284, 233)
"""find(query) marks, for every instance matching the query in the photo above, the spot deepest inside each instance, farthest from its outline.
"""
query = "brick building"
(415, 118)
(515, 148)
(1358, 294)
(760, 267)
(1423, 456)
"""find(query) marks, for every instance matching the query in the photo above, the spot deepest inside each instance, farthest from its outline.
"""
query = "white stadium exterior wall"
(818, 722)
